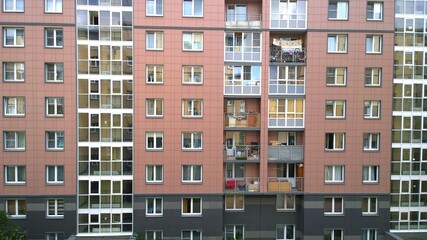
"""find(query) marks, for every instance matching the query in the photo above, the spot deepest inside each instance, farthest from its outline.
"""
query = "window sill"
(15, 183)
(54, 217)
(154, 183)
(192, 149)
(192, 183)
(153, 215)
(54, 183)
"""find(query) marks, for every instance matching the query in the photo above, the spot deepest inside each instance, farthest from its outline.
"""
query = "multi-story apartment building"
(191, 119)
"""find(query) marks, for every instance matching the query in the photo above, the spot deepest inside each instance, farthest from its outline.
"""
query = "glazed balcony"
(286, 80)
(243, 120)
(243, 21)
(289, 54)
(292, 153)
(242, 152)
(242, 46)
(245, 184)
(279, 184)
(288, 15)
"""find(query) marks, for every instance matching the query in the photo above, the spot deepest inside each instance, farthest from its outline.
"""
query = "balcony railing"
(278, 184)
(279, 54)
(243, 21)
(251, 120)
(286, 153)
(242, 53)
(241, 152)
(245, 87)
(245, 184)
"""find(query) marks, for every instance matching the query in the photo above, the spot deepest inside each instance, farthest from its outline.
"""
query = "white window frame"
(55, 236)
(19, 138)
(339, 75)
(13, 32)
(189, 111)
(336, 234)
(334, 173)
(18, 71)
(155, 136)
(376, 8)
(57, 137)
(369, 112)
(334, 42)
(152, 74)
(373, 76)
(192, 74)
(371, 141)
(193, 6)
(154, 234)
(55, 208)
(154, 202)
(371, 204)
(17, 5)
(155, 41)
(55, 102)
(232, 231)
(288, 202)
(336, 146)
(189, 41)
(334, 204)
(334, 105)
(192, 210)
(235, 199)
(152, 8)
(370, 174)
(369, 234)
(14, 106)
(374, 44)
(56, 6)
(19, 174)
(57, 178)
(285, 230)
(151, 106)
(56, 70)
(57, 38)
(340, 8)
(194, 173)
(152, 174)
(19, 204)
(193, 141)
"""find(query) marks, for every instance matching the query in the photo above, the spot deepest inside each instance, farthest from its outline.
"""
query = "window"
(55, 208)
(369, 234)
(53, 6)
(337, 43)
(55, 174)
(333, 234)
(55, 236)
(192, 41)
(14, 140)
(285, 202)
(154, 41)
(54, 106)
(55, 140)
(154, 107)
(192, 8)
(338, 10)
(285, 232)
(54, 38)
(14, 106)
(15, 174)
(370, 174)
(13, 5)
(13, 37)
(191, 235)
(234, 202)
(191, 206)
(191, 140)
(374, 11)
(336, 76)
(373, 76)
(16, 208)
(154, 140)
(154, 173)
(374, 44)
(13, 71)
(371, 141)
(192, 74)
(369, 205)
(154, 74)
(234, 232)
(154, 235)
(154, 207)
(372, 109)
(334, 141)
(54, 72)
(335, 109)
(334, 205)
(334, 174)
(192, 107)
(191, 173)
(154, 8)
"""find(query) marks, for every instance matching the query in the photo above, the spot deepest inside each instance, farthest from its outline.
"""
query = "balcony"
(288, 15)
(243, 120)
(286, 153)
(242, 152)
(286, 79)
(290, 54)
(242, 53)
(245, 87)
(243, 21)
(245, 184)
(276, 184)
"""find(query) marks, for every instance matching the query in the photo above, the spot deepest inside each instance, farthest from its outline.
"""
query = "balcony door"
(235, 170)
(236, 12)
(234, 139)
(236, 107)
(286, 138)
